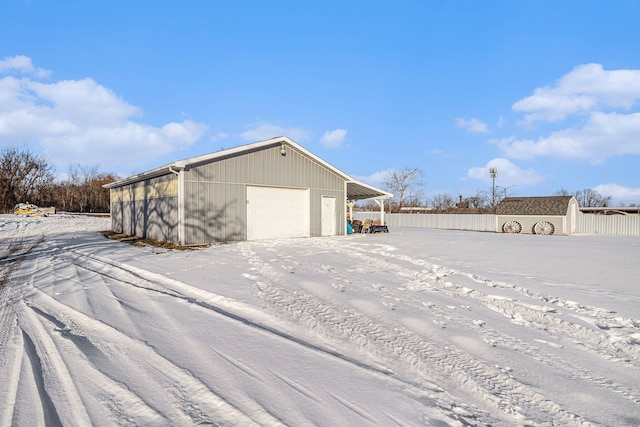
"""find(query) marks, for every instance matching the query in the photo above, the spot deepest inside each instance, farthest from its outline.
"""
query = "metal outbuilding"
(537, 215)
(269, 189)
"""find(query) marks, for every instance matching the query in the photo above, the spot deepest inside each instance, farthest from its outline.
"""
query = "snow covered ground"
(414, 327)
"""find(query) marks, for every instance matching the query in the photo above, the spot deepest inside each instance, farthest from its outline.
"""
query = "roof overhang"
(357, 190)
(621, 210)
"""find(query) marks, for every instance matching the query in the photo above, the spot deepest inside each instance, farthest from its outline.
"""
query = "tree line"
(26, 177)
(406, 187)
(29, 178)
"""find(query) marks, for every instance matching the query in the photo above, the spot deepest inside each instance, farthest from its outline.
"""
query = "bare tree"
(368, 205)
(484, 199)
(414, 199)
(404, 184)
(589, 198)
(442, 202)
(101, 196)
(82, 190)
(88, 174)
(478, 201)
(24, 177)
(562, 192)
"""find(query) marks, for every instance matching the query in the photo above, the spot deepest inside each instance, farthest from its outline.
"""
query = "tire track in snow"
(541, 317)
(429, 278)
(175, 395)
(437, 279)
(251, 317)
(218, 304)
(538, 316)
(598, 340)
(50, 379)
(11, 353)
(186, 399)
(60, 398)
(494, 337)
(73, 291)
(16, 244)
(58, 340)
(488, 383)
(351, 326)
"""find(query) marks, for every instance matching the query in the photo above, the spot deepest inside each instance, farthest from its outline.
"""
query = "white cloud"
(219, 137)
(619, 194)
(376, 179)
(333, 138)
(23, 65)
(586, 88)
(83, 101)
(508, 173)
(262, 131)
(437, 152)
(128, 144)
(472, 125)
(80, 121)
(603, 135)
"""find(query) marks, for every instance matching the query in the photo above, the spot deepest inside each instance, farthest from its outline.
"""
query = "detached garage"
(269, 189)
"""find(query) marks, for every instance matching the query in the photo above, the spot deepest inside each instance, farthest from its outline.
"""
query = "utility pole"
(494, 173)
(505, 189)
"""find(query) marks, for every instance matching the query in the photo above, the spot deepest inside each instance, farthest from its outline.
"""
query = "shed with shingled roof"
(537, 215)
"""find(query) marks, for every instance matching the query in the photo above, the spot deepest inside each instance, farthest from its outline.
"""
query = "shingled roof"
(549, 205)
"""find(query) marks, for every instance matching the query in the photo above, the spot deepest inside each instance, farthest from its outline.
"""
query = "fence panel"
(621, 225)
(473, 222)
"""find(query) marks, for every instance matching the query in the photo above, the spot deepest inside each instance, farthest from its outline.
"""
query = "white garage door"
(274, 213)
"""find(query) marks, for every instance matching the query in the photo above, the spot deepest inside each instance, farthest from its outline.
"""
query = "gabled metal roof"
(356, 190)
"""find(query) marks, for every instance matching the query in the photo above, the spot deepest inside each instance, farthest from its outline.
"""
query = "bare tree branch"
(404, 184)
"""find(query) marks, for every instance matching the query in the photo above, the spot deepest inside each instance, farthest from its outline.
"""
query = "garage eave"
(357, 190)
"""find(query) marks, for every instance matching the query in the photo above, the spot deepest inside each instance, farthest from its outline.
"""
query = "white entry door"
(328, 216)
(274, 213)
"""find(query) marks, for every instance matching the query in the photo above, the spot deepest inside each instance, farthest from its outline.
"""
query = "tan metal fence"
(621, 225)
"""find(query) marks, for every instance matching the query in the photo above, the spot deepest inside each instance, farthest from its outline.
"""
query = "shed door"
(328, 216)
(274, 213)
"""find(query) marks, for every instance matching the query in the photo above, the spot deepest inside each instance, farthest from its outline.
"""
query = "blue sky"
(546, 91)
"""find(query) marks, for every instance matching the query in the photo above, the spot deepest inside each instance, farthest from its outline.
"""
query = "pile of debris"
(28, 209)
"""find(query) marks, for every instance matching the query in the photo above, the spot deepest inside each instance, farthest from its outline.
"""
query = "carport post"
(381, 204)
(350, 204)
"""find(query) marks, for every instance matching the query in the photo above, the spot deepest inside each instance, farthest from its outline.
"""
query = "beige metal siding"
(147, 209)
(215, 204)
